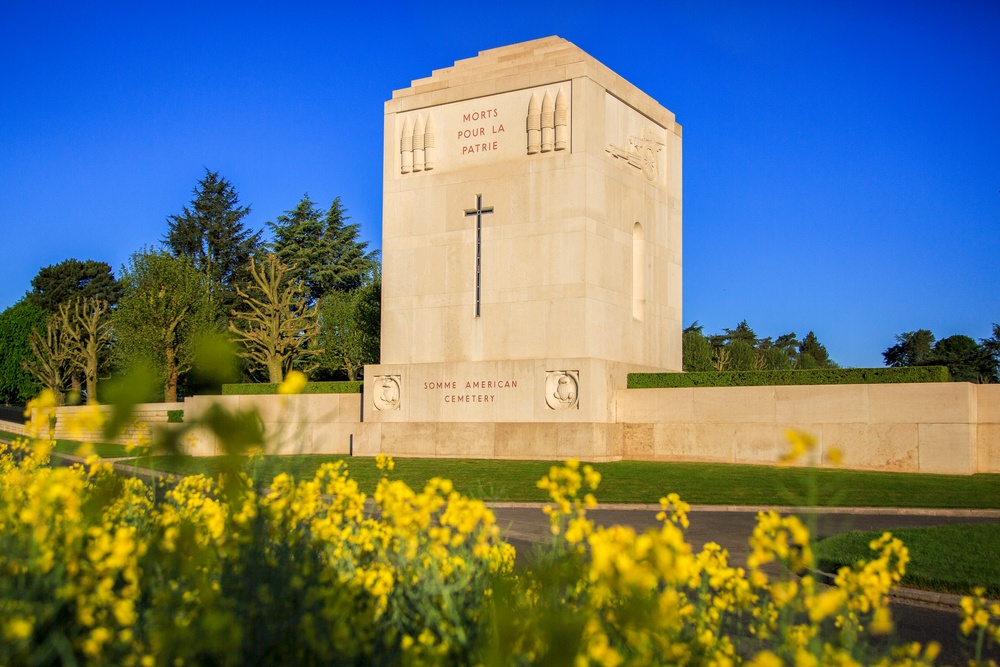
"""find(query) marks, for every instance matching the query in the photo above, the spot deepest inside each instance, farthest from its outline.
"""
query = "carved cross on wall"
(478, 212)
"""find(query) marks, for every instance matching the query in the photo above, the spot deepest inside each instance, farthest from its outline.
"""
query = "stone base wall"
(951, 428)
(502, 440)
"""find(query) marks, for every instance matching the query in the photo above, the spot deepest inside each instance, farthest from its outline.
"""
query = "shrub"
(260, 388)
(797, 377)
(175, 416)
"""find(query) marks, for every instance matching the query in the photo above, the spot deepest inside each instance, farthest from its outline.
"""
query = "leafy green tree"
(72, 279)
(697, 351)
(162, 314)
(211, 234)
(18, 385)
(776, 359)
(912, 348)
(349, 322)
(277, 322)
(742, 356)
(324, 252)
(965, 359)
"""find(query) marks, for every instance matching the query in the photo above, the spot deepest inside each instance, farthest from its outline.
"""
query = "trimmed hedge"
(311, 388)
(175, 416)
(772, 378)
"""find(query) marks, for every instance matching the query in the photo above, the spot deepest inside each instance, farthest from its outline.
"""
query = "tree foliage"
(18, 385)
(323, 251)
(211, 234)
(740, 349)
(276, 323)
(350, 325)
(912, 348)
(162, 314)
(967, 360)
(72, 279)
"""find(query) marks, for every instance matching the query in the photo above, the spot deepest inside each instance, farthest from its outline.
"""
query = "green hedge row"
(175, 416)
(311, 388)
(771, 378)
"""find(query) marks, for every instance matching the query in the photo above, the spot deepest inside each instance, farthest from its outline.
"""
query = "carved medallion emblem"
(562, 390)
(385, 393)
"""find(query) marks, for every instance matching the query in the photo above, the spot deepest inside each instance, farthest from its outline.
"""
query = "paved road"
(915, 620)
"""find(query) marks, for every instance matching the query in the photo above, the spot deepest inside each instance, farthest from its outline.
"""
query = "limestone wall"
(988, 435)
(933, 428)
(302, 424)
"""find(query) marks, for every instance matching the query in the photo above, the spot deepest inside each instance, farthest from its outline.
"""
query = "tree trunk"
(274, 371)
(170, 370)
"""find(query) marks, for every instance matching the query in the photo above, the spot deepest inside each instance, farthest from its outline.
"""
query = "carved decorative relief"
(417, 145)
(562, 390)
(548, 123)
(385, 392)
(641, 153)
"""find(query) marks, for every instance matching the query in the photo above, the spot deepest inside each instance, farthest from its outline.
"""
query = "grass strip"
(645, 481)
(952, 559)
(106, 450)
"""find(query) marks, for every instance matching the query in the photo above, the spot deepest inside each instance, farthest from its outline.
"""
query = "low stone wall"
(932, 428)
(12, 427)
(988, 435)
(139, 427)
(949, 428)
(301, 424)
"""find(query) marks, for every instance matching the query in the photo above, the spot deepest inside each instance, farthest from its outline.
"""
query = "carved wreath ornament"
(562, 390)
(385, 393)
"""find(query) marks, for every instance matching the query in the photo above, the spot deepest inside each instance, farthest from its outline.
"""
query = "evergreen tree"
(211, 234)
(991, 346)
(912, 348)
(743, 333)
(813, 349)
(323, 251)
(71, 279)
(965, 359)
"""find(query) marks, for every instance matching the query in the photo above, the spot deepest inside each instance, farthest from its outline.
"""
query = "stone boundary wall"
(951, 428)
(12, 427)
(144, 415)
(300, 424)
(948, 427)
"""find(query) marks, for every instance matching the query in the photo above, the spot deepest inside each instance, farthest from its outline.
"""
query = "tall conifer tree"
(212, 235)
(323, 251)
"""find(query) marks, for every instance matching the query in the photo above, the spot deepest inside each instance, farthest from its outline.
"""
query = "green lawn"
(647, 482)
(953, 559)
(106, 450)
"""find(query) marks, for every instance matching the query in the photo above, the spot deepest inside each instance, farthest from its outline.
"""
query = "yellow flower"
(294, 383)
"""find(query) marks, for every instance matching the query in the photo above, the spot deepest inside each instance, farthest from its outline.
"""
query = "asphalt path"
(923, 620)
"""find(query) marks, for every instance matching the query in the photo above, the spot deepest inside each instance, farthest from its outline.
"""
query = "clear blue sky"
(841, 161)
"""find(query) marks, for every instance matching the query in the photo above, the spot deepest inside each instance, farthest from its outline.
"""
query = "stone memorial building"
(531, 255)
